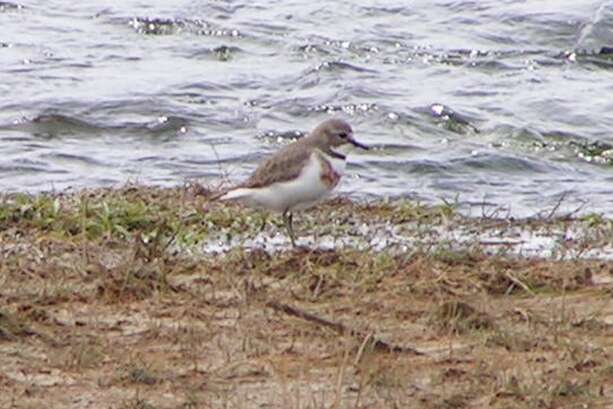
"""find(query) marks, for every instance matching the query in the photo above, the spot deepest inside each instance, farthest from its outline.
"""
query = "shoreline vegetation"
(142, 297)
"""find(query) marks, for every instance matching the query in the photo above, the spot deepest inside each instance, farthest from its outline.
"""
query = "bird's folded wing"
(285, 165)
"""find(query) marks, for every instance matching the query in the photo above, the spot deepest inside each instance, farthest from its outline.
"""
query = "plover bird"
(300, 174)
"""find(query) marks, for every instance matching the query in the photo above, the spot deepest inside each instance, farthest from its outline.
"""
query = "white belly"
(300, 193)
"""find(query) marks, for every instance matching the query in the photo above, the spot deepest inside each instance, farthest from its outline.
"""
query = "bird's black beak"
(358, 144)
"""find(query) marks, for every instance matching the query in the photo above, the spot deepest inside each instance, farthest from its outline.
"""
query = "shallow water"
(559, 242)
(490, 104)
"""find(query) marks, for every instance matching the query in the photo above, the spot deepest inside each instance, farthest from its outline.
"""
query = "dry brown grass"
(106, 306)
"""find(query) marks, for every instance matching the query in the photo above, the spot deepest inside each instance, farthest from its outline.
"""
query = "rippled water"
(490, 103)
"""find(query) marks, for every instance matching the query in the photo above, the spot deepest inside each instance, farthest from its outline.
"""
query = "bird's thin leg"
(263, 219)
(287, 218)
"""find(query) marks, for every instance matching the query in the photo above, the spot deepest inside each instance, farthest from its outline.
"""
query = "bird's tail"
(229, 194)
(233, 194)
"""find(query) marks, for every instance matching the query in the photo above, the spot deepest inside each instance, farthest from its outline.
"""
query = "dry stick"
(358, 356)
(378, 345)
(556, 206)
(520, 283)
(339, 380)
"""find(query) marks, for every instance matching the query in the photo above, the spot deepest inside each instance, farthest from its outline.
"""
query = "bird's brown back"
(283, 166)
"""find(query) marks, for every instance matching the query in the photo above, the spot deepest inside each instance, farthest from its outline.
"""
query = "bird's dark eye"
(343, 135)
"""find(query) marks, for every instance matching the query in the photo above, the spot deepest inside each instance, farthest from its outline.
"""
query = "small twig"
(570, 215)
(358, 356)
(551, 215)
(224, 173)
(556, 206)
(501, 243)
(378, 345)
(495, 212)
(520, 283)
(339, 380)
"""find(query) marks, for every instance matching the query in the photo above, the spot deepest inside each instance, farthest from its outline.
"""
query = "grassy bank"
(155, 298)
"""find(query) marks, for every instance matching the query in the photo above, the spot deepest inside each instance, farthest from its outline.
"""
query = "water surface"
(493, 104)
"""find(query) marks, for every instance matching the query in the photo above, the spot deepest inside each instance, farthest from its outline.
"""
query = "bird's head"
(337, 135)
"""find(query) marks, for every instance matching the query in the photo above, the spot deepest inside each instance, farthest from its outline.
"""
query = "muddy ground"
(156, 298)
